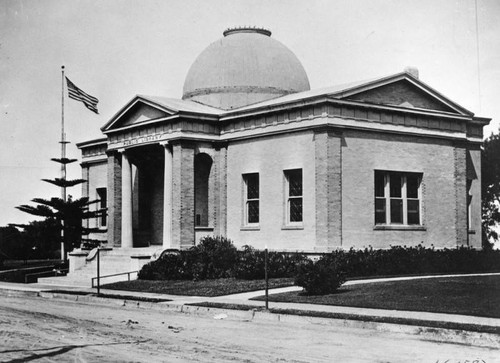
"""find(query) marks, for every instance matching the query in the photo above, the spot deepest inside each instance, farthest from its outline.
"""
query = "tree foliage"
(490, 167)
(72, 212)
(69, 213)
(36, 240)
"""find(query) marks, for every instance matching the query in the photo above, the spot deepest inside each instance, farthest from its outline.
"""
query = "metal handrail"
(118, 274)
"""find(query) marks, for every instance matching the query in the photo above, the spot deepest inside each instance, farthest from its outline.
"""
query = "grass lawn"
(478, 296)
(207, 288)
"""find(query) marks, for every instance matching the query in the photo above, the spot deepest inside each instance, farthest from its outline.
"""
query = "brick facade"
(183, 194)
(338, 144)
(219, 187)
(328, 173)
(460, 194)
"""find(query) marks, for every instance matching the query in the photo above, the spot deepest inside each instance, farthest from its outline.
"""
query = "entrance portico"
(162, 167)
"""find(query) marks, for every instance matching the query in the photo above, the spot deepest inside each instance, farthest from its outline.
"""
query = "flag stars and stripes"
(77, 94)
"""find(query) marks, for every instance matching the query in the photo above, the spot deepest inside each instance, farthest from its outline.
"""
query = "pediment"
(402, 93)
(401, 90)
(137, 112)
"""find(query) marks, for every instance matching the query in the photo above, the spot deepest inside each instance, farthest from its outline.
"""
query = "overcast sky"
(114, 50)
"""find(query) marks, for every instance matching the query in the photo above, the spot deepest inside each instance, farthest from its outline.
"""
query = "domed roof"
(246, 66)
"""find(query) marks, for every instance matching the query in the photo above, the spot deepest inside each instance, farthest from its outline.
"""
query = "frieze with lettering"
(142, 140)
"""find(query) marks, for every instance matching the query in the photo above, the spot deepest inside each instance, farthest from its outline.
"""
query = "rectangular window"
(251, 198)
(103, 204)
(397, 198)
(294, 196)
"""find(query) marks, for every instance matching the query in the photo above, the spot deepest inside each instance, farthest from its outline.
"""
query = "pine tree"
(68, 211)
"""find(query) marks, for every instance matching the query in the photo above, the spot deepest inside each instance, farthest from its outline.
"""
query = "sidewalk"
(244, 299)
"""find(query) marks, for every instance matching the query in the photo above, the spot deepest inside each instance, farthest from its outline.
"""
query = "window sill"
(250, 228)
(292, 227)
(387, 227)
(203, 228)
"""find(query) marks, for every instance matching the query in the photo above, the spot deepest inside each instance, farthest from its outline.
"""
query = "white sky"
(114, 50)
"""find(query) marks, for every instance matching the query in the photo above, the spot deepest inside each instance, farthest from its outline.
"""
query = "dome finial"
(247, 29)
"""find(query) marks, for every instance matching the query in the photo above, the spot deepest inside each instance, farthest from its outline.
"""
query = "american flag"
(77, 94)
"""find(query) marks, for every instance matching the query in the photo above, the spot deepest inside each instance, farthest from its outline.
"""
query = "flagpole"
(63, 164)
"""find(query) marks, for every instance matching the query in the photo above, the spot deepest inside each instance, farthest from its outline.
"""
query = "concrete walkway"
(243, 299)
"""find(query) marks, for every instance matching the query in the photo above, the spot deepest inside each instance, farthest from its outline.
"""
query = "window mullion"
(419, 195)
(387, 195)
(405, 200)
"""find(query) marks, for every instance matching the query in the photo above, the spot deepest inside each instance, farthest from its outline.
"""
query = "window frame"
(102, 220)
(469, 204)
(403, 196)
(246, 200)
(288, 198)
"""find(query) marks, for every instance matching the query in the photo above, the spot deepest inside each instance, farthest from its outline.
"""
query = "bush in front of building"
(217, 257)
(171, 266)
(214, 257)
(321, 277)
(402, 260)
(251, 264)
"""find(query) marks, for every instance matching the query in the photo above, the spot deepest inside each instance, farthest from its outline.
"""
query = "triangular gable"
(402, 90)
(137, 111)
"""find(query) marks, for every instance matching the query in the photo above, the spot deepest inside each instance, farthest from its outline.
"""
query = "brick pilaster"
(460, 194)
(183, 195)
(219, 191)
(328, 173)
(115, 199)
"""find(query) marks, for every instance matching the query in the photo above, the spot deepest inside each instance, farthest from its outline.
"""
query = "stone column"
(167, 197)
(114, 199)
(127, 230)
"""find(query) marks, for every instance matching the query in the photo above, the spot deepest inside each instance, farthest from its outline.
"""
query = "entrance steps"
(112, 261)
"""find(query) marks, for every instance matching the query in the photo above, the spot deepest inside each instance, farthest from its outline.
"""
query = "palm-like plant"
(70, 212)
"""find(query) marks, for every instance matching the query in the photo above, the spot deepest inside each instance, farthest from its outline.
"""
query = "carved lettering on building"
(141, 140)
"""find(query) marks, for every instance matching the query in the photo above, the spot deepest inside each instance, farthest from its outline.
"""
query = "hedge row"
(415, 260)
(216, 257)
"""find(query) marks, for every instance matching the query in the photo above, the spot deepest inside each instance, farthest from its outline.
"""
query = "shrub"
(402, 260)
(174, 266)
(214, 257)
(322, 277)
(251, 264)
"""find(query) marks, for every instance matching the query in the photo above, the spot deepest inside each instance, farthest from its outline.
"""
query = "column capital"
(121, 150)
(165, 143)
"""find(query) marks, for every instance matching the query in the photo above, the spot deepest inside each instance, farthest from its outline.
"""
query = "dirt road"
(44, 330)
